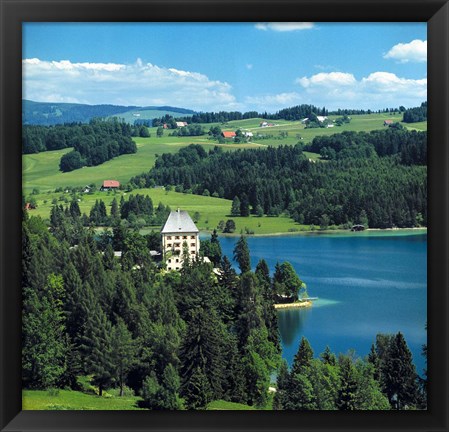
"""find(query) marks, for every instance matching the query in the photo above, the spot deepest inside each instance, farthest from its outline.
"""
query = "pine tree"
(197, 391)
(96, 348)
(124, 352)
(248, 308)
(303, 357)
(235, 208)
(328, 357)
(399, 374)
(348, 385)
(244, 205)
(241, 255)
(300, 396)
(202, 350)
(44, 348)
(115, 212)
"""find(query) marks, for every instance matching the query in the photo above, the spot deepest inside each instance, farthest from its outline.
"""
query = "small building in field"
(388, 122)
(248, 134)
(178, 234)
(181, 124)
(110, 185)
(228, 134)
(321, 119)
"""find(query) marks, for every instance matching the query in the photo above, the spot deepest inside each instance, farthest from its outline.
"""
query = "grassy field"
(212, 210)
(75, 400)
(38, 400)
(221, 405)
(42, 170)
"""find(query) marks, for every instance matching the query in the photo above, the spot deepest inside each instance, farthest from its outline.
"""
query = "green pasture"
(75, 400)
(38, 400)
(212, 210)
(41, 170)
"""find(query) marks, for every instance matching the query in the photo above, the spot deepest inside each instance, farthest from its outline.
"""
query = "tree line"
(37, 139)
(386, 379)
(417, 114)
(410, 146)
(380, 190)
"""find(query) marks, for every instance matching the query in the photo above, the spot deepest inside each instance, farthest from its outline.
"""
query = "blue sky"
(235, 66)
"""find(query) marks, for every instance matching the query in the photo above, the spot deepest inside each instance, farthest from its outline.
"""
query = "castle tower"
(179, 229)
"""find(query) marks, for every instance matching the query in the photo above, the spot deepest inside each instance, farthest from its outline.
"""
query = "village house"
(181, 124)
(228, 134)
(178, 232)
(110, 185)
(388, 122)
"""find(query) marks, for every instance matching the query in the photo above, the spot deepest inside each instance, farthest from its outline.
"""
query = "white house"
(179, 232)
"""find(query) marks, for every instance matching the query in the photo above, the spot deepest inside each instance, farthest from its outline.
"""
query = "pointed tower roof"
(179, 221)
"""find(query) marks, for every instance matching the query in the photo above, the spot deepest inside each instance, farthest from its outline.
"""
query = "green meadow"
(65, 400)
(212, 210)
(41, 171)
(76, 400)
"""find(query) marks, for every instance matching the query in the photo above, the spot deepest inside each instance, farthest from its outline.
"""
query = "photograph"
(224, 216)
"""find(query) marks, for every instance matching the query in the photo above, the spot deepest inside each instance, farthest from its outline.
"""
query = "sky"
(227, 66)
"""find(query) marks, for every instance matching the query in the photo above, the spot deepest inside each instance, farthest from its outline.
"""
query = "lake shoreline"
(294, 305)
(414, 230)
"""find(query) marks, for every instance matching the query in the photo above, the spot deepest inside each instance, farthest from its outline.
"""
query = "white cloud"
(284, 26)
(123, 84)
(329, 79)
(415, 51)
(377, 90)
(272, 103)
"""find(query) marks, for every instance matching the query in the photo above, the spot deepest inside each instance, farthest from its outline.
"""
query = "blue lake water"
(366, 284)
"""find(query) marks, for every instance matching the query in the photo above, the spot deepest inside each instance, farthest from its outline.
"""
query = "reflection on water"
(291, 324)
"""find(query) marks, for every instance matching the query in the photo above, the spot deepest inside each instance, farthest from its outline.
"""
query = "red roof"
(111, 183)
(228, 134)
(388, 121)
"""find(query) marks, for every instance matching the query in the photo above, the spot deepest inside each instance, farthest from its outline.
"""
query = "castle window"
(168, 244)
(168, 237)
(192, 237)
(184, 237)
(177, 237)
(192, 252)
(192, 244)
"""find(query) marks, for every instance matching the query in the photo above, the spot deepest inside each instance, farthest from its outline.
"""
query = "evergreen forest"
(378, 179)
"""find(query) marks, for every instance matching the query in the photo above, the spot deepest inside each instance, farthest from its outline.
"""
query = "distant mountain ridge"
(52, 113)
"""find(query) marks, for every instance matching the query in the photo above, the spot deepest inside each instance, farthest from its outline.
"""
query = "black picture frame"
(14, 12)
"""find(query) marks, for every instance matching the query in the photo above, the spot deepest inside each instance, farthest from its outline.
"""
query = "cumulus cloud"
(273, 102)
(415, 51)
(123, 84)
(377, 90)
(330, 79)
(284, 26)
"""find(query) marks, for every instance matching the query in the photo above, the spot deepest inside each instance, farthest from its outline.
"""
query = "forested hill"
(380, 184)
(50, 113)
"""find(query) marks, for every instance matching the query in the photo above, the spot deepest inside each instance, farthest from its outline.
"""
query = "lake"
(367, 283)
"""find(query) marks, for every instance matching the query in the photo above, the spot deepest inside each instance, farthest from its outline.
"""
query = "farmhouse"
(248, 134)
(181, 124)
(228, 134)
(178, 234)
(388, 122)
(321, 119)
(110, 185)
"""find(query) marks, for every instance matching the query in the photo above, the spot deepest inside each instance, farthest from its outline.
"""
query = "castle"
(179, 232)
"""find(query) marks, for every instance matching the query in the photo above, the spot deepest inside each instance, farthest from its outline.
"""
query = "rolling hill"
(49, 113)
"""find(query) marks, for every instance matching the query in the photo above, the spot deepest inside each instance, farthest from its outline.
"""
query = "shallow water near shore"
(371, 283)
